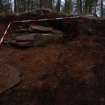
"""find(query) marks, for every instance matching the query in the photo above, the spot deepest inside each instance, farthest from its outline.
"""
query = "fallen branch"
(5, 32)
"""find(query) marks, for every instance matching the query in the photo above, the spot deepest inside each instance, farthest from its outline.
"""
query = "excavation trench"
(67, 70)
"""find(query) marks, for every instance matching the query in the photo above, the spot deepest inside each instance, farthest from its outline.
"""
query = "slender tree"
(51, 4)
(95, 8)
(68, 6)
(79, 7)
(58, 5)
(102, 10)
(88, 6)
(44, 4)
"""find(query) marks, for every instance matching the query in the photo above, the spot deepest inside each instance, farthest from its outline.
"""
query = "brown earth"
(67, 73)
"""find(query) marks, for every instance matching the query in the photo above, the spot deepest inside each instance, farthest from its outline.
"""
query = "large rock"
(25, 37)
(46, 38)
(38, 28)
(36, 39)
(25, 40)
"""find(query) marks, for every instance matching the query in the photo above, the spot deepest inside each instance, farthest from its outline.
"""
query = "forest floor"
(69, 72)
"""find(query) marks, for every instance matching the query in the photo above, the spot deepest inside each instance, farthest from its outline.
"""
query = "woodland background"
(68, 7)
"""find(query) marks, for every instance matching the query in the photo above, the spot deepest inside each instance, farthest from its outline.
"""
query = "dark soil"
(64, 73)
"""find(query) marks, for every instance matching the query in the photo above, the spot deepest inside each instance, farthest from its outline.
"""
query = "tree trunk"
(51, 4)
(58, 5)
(79, 7)
(15, 6)
(95, 8)
(68, 7)
(102, 8)
(44, 3)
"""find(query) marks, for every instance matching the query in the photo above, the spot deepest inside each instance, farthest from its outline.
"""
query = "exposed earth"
(66, 72)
